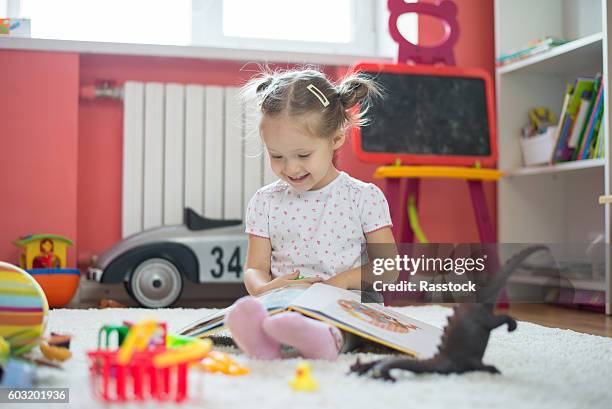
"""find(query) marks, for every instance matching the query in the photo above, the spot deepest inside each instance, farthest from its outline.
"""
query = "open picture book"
(342, 309)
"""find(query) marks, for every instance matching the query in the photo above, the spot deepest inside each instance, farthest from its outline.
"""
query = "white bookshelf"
(592, 285)
(551, 204)
(557, 168)
(575, 56)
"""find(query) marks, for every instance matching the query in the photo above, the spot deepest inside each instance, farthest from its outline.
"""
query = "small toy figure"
(44, 256)
(302, 380)
(540, 118)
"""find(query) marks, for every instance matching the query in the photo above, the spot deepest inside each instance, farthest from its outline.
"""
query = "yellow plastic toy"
(55, 353)
(5, 350)
(186, 353)
(43, 251)
(302, 380)
(221, 362)
(137, 340)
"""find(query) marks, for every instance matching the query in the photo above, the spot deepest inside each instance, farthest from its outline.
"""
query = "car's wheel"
(156, 283)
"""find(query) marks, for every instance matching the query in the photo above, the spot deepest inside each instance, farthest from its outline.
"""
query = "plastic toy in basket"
(141, 369)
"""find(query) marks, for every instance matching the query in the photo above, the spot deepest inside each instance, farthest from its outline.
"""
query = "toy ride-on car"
(153, 264)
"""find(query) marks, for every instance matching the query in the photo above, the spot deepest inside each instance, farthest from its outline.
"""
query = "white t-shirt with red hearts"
(319, 232)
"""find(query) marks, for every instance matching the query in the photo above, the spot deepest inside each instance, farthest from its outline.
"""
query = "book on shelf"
(532, 48)
(582, 86)
(342, 309)
(580, 121)
(559, 130)
(591, 118)
(592, 127)
(562, 149)
(578, 130)
(599, 149)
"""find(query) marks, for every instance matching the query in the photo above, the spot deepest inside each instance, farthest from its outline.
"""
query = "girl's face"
(297, 157)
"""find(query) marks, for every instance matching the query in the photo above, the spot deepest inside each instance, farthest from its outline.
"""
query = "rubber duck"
(302, 380)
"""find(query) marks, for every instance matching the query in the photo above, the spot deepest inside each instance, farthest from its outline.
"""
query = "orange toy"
(44, 256)
(60, 286)
(221, 362)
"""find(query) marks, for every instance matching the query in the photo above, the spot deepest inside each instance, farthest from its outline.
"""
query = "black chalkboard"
(428, 115)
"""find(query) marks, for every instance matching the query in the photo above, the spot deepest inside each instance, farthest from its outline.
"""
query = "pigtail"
(264, 83)
(257, 88)
(357, 89)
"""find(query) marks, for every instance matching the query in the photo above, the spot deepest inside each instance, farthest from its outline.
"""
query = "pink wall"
(38, 146)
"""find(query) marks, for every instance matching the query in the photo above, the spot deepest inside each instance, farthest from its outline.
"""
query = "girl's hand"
(291, 279)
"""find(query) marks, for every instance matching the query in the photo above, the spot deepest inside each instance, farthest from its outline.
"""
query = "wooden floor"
(558, 317)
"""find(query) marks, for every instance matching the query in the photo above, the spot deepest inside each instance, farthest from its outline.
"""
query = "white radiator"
(185, 146)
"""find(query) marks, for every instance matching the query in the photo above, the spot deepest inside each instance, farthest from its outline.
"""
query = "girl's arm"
(257, 266)
(257, 275)
(351, 279)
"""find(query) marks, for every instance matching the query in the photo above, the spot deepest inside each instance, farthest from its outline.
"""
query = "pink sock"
(245, 323)
(313, 339)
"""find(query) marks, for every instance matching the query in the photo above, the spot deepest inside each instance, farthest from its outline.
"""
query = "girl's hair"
(298, 92)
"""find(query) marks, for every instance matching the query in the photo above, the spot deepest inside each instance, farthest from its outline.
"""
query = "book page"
(392, 328)
(273, 300)
(282, 297)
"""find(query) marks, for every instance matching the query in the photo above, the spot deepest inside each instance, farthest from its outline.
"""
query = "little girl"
(311, 222)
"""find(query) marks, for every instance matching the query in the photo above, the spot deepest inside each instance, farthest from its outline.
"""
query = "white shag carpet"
(541, 368)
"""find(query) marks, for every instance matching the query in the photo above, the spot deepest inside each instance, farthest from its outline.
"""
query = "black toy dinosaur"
(465, 337)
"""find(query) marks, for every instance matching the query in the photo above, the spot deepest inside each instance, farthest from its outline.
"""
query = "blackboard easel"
(403, 182)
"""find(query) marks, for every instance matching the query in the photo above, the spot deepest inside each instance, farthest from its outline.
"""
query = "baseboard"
(90, 293)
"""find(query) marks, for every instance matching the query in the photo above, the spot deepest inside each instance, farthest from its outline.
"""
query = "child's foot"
(245, 323)
(313, 339)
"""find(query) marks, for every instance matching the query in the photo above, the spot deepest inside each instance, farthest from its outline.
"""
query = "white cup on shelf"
(538, 149)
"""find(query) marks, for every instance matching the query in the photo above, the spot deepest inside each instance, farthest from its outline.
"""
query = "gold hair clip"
(317, 93)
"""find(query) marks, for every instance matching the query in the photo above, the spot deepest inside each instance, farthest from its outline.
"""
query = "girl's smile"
(299, 179)
(297, 157)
